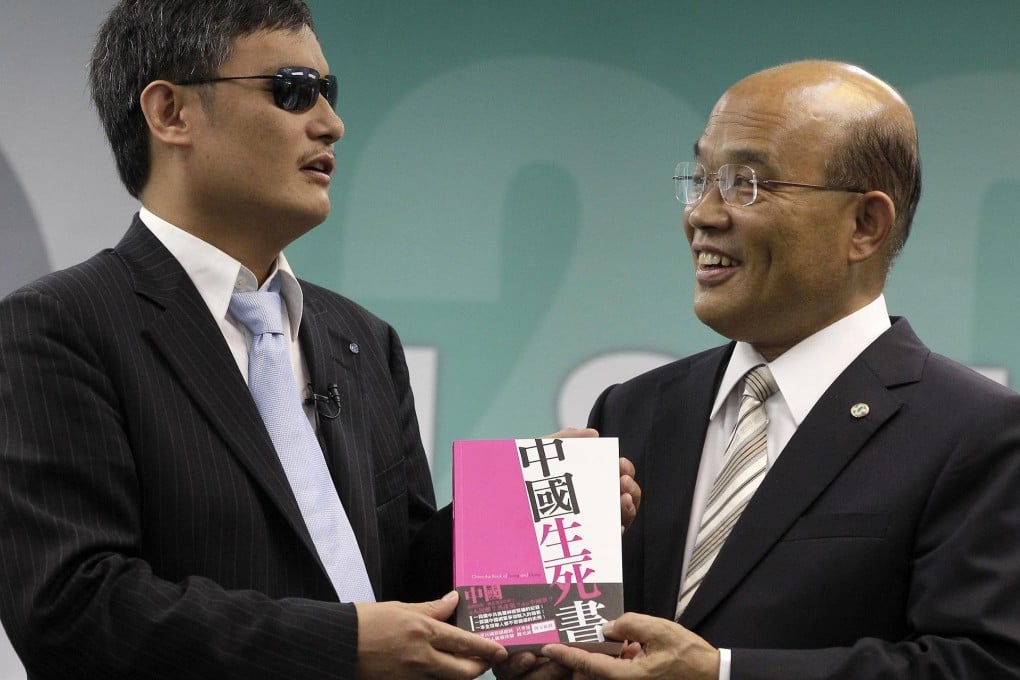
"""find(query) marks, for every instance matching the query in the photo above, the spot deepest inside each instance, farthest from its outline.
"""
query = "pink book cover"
(536, 540)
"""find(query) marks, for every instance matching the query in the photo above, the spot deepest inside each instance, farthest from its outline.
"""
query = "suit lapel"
(209, 376)
(823, 445)
(333, 358)
(675, 442)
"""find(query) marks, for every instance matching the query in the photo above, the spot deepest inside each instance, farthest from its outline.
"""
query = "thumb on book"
(572, 433)
(443, 608)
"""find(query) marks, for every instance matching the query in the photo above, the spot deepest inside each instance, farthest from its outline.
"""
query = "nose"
(326, 124)
(711, 212)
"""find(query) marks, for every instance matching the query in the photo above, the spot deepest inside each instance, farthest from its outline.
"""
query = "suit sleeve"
(963, 604)
(77, 599)
(421, 496)
(429, 571)
(595, 416)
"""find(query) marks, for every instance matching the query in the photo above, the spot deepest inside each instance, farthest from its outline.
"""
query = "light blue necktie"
(272, 384)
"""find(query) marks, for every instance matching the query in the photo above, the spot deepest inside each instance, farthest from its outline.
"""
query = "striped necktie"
(745, 464)
(272, 384)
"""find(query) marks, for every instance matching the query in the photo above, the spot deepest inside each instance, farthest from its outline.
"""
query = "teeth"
(714, 259)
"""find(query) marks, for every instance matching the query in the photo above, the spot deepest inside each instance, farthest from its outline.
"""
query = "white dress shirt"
(217, 276)
(804, 372)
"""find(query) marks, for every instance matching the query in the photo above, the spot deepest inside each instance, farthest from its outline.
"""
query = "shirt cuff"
(724, 664)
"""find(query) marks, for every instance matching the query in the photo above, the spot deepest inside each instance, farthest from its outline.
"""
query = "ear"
(167, 109)
(873, 226)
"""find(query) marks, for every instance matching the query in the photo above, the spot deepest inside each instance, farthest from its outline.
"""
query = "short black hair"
(146, 40)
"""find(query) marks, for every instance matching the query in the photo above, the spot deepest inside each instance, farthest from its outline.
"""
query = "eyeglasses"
(295, 88)
(738, 184)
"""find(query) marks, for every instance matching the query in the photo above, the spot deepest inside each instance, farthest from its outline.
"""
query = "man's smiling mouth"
(715, 260)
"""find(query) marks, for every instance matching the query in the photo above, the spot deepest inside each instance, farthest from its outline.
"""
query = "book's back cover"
(536, 540)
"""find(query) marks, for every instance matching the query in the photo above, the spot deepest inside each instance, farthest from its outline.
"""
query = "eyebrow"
(752, 157)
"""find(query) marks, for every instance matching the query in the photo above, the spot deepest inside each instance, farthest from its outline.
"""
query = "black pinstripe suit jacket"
(147, 529)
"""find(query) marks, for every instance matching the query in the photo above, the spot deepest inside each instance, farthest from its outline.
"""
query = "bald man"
(864, 522)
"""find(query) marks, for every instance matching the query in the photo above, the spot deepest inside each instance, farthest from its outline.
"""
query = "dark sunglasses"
(295, 88)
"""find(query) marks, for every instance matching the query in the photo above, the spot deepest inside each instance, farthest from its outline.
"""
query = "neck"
(243, 240)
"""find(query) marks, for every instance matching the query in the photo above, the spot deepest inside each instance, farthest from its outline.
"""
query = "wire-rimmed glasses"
(738, 184)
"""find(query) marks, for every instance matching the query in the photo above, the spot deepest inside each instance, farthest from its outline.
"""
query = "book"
(536, 540)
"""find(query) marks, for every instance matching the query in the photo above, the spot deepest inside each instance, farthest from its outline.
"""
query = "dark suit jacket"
(147, 529)
(886, 546)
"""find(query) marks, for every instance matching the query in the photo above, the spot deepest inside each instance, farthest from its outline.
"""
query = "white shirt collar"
(805, 371)
(217, 275)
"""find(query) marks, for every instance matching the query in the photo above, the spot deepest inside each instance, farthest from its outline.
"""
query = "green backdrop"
(504, 197)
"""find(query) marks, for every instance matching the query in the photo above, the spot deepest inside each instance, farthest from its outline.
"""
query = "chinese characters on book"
(537, 540)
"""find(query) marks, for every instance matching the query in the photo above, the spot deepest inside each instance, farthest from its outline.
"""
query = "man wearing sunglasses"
(823, 497)
(151, 525)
